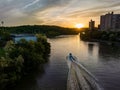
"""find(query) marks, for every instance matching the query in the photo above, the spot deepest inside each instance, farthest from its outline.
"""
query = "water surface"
(101, 59)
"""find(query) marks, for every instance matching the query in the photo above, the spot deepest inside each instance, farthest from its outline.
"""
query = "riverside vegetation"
(96, 35)
(20, 59)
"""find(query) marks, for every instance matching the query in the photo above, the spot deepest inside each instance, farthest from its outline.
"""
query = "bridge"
(79, 78)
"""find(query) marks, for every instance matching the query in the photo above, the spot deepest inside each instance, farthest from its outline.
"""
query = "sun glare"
(79, 25)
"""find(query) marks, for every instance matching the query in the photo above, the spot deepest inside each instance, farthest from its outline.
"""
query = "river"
(100, 59)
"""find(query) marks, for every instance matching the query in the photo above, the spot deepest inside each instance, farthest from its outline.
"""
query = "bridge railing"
(89, 78)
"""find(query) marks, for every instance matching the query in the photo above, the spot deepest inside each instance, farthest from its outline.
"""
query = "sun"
(79, 25)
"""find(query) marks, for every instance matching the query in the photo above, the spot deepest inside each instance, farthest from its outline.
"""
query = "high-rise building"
(92, 25)
(110, 21)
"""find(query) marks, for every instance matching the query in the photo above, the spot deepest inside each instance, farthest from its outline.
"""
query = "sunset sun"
(79, 25)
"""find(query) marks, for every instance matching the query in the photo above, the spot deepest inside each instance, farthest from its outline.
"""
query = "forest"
(18, 60)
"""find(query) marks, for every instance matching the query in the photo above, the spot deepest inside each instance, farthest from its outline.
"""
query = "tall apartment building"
(110, 21)
(92, 25)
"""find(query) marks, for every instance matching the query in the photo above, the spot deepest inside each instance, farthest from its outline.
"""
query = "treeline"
(19, 59)
(49, 31)
(4, 37)
(89, 35)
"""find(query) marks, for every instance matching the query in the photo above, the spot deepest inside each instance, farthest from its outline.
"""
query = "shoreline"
(104, 41)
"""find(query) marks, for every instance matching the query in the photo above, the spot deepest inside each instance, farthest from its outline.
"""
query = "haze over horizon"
(64, 13)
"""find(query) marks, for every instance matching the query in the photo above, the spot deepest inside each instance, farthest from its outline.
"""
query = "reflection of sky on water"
(102, 60)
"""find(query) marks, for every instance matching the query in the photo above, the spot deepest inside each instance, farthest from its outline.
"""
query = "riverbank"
(110, 38)
(105, 42)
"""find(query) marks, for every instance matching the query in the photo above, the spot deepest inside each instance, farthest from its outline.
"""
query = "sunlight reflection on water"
(100, 59)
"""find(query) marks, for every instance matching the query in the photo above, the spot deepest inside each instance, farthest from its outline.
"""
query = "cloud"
(58, 12)
(30, 4)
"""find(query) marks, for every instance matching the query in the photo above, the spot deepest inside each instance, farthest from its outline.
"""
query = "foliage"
(4, 35)
(100, 35)
(21, 58)
(2, 52)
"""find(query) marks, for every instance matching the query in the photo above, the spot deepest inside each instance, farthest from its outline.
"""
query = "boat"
(79, 78)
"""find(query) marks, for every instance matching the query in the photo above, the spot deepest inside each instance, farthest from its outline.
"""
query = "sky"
(64, 13)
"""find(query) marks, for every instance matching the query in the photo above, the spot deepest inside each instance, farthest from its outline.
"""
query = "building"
(98, 26)
(17, 37)
(110, 21)
(92, 25)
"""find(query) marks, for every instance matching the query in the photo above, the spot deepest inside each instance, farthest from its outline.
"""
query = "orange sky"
(66, 13)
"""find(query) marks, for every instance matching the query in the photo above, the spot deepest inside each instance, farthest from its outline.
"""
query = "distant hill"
(49, 31)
